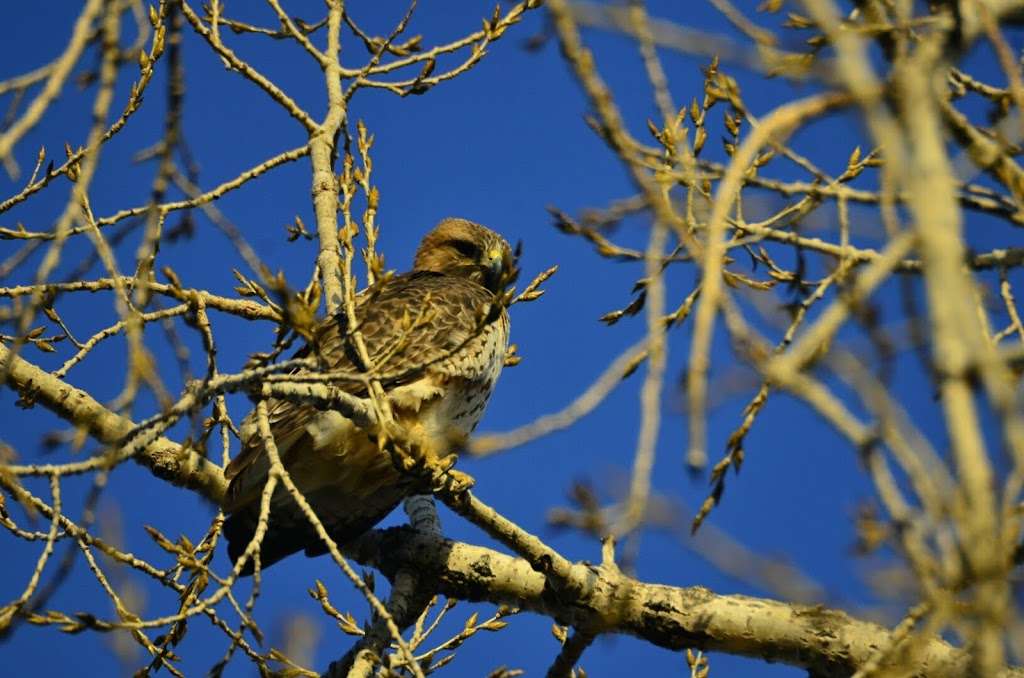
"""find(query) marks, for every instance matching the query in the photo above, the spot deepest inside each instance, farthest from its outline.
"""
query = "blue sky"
(498, 145)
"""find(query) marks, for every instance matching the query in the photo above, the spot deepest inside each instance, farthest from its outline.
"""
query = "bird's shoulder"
(416, 287)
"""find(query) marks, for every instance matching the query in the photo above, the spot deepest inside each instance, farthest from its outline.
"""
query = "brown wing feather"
(286, 419)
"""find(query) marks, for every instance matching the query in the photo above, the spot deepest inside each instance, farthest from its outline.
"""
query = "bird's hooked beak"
(494, 266)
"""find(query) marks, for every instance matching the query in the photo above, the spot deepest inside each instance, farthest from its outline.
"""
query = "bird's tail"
(289, 531)
(278, 542)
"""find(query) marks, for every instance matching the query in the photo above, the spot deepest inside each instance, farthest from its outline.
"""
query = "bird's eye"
(466, 248)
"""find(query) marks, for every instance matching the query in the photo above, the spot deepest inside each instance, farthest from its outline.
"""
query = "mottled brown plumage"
(437, 339)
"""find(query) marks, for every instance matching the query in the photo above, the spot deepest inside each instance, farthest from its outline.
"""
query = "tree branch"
(828, 642)
(165, 458)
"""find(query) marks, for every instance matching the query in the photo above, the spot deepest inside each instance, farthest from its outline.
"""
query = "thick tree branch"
(828, 642)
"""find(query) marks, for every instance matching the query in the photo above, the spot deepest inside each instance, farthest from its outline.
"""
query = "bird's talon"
(455, 482)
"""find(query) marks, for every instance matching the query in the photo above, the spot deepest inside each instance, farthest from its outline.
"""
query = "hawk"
(437, 337)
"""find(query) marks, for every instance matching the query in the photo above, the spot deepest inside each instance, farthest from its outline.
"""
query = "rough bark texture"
(827, 642)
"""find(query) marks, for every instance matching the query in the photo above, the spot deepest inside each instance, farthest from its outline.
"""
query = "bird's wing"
(411, 324)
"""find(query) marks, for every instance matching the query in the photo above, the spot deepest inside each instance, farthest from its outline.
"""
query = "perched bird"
(437, 338)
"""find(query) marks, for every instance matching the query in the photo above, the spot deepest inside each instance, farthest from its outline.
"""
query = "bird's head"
(468, 250)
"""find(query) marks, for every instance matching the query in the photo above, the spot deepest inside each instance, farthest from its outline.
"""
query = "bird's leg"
(406, 451)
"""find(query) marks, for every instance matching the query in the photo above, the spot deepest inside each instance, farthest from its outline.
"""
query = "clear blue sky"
(498, 146)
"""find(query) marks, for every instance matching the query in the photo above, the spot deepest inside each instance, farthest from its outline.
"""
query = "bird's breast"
(464, 384)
